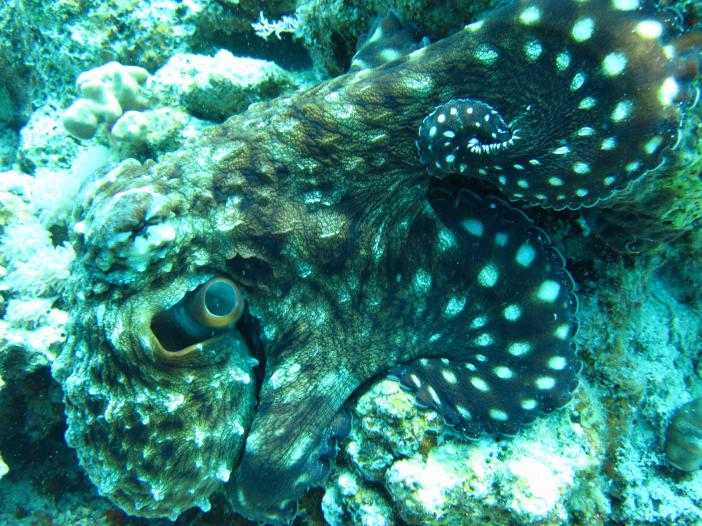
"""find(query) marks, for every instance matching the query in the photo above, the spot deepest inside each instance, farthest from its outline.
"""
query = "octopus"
(228, 301)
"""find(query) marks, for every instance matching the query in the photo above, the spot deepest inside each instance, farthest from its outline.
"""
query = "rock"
(434, 476)
(213, 88)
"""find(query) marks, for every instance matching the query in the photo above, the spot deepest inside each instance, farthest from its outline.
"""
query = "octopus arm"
(299, 421)
(499, 317)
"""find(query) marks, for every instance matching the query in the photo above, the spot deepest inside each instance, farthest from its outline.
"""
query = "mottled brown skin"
(365, 167)
(290, 257)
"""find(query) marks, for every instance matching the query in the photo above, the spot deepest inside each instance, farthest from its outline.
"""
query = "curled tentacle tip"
(459, 136)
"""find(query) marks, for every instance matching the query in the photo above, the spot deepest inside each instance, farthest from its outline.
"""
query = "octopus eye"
(203, 314)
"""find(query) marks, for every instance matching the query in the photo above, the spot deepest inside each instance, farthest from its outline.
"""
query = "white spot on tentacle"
(533, 50)
(449, 376)
(465, 414)
(557, 363)
(488, 275)
(632, 166)
(475, 26)
(479, 384)
(652, 145)
(474, 227)
(486, 54)
(581, 168)
(483, 340)
(649, 29)
(478, 322)
(583, 29)
(622, 111)
(578, 81)
(503, 372)
(498, 414)
(668, 91)
(562, 332)
(454, 307)
(614, 64)
(519, 348)
(587, 103)
(548, 291)
(563, 61)
(525, 255)
(528, 404)
(512, 312)
(545, 383)
(530, 16)
(422, 281)
(625, 5)
(434, 395)
(610, 143)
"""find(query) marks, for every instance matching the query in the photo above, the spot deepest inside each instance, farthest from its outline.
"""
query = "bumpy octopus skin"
(317, 208)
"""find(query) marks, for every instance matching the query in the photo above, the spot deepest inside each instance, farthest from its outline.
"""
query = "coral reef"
(330, 29)
(48, 46)
(479, 319)
(34, 272)
(3, 467)
(644, 361)
(160, 404)
(432, 476)
(213, 88)
(658, 209)
(188, 88)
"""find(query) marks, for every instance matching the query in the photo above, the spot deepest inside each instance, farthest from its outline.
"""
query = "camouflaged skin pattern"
(317, 207)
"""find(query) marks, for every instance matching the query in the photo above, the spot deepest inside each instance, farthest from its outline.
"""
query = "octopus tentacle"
(301, 419)
(466, 280)
(596, 107)
(509, 355)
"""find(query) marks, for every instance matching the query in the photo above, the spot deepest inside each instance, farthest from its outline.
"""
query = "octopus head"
(159, 393)
(157, 378)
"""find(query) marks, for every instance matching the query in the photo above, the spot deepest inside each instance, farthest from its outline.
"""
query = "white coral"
(35, 267)
(53, 193)
(107, 92)
(265, 28)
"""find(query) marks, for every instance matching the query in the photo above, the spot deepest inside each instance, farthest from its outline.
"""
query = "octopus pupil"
(220, 299)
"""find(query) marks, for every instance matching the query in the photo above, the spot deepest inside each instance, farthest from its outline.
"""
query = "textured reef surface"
(229, 303)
